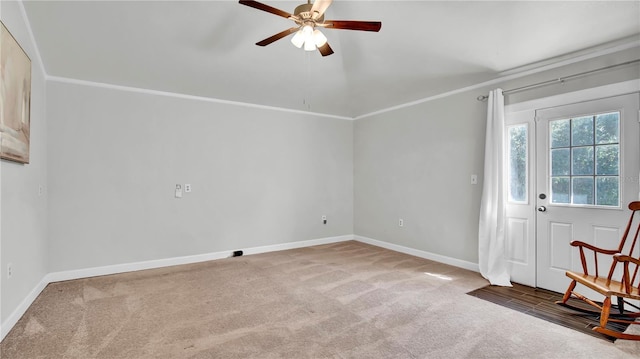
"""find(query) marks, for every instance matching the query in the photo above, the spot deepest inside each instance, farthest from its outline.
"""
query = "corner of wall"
(23, 214)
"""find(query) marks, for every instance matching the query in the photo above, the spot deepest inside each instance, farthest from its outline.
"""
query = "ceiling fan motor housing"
(304, 13)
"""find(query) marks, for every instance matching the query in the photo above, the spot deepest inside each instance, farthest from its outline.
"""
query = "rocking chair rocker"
(623, 286)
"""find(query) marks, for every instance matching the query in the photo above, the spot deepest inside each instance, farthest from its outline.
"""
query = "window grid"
(589, 186)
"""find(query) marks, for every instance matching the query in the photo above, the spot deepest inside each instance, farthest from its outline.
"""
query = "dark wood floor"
(540, 303)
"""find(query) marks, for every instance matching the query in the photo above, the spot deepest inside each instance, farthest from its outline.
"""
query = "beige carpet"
(344, 300)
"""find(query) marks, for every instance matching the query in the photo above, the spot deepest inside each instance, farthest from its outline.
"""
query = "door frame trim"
(531, 106)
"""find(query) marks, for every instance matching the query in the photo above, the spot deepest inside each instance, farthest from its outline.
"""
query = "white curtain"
(491, 239)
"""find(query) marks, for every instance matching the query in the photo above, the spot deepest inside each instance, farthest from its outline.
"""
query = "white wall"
(259, 176)
(24, 213)
(415, 162)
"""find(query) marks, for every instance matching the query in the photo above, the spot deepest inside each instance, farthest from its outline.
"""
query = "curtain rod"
(558, 80)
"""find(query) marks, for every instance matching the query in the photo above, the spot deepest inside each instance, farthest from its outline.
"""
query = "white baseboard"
(11, 321)
(131, 267)
(8, 324)
(422, 254)
(301, 244)
(167, 262)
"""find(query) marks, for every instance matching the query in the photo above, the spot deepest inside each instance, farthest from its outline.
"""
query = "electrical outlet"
(9, 270)
(474, 179)
(324, 219)
(178, 191)
(187, 188)
(400, 222)
(40, 190)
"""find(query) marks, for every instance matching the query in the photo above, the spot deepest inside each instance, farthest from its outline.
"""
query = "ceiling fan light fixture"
(307, 33)
(309, 45)
(298, 39)
(318, 38)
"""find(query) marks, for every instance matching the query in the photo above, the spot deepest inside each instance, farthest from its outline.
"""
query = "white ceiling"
(207, 48)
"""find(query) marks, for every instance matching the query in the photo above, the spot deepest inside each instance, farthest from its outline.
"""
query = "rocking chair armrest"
(593, 248)
(625, 258)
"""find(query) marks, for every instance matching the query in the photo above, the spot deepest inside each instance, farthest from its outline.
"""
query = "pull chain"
(307, 83)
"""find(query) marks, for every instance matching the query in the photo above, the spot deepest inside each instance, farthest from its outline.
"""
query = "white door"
(587, 167)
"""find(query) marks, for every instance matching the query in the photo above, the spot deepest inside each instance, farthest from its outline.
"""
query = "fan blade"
(353, 25)
(267, 8)
(277, 36)
(325, 50)
(319, 7)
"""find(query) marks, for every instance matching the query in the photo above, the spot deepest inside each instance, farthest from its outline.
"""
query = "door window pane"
(582, 161)
(560, 165)
(584, 153)
(608, 128)
(560, 133)
(607, 189)
(582, 131)
(518, 171)
(582, 190)
(607, 160)
(560, 190)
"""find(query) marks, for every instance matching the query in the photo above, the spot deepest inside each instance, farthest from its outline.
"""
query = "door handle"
(542, 209)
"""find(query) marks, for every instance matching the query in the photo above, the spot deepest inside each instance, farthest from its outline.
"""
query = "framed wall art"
(15, 99)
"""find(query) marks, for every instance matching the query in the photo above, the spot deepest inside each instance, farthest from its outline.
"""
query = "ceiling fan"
(308, 17)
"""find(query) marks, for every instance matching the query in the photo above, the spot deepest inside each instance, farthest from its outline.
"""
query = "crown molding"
(518, 73)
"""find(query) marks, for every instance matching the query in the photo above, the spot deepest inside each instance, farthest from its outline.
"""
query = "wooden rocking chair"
(624, 287)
